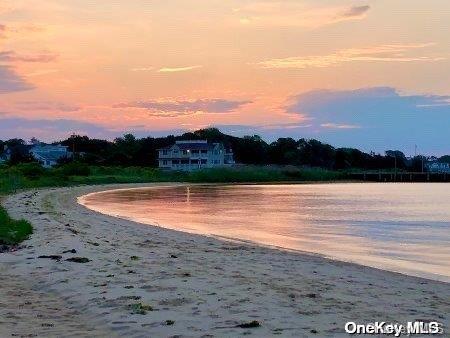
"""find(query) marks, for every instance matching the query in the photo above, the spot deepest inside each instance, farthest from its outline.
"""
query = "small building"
(438, 167)
(5, 156)
(194, 154)
(19, 150)
(49, 155)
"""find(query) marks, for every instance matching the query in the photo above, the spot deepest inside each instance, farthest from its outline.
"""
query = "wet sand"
(145, 281)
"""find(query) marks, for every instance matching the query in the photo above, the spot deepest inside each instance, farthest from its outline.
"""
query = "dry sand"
(206, 286)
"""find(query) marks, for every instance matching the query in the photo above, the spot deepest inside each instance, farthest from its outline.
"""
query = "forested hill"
(131, 151)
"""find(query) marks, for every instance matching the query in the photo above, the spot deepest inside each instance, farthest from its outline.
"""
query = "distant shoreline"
(138, 278)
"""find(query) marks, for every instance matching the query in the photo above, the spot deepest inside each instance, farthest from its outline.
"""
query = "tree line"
(131, 151)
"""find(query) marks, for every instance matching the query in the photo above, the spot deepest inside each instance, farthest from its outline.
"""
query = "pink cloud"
(11, 56)
(176, 108)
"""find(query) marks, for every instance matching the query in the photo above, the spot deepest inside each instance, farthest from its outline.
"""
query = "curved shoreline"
(206, 285)
(98, 207)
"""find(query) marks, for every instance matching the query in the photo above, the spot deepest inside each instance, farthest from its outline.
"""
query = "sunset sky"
(368, 74)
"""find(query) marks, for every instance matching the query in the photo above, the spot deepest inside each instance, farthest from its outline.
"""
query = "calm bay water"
(397, 227)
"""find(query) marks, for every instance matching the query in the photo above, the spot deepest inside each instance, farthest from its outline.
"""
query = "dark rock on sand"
(54, 257)
(78, 259)
(70, 251)
(252, 324)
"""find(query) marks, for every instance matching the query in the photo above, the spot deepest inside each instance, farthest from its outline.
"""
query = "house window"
(195, 151)
(184, 161)
(204, 151)
(164, 152)
(203, 161)
(185, 152)
(164, 162)
(175, 161)
(194, 161)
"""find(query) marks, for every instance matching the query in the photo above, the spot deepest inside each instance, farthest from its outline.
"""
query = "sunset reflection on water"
(398, 227)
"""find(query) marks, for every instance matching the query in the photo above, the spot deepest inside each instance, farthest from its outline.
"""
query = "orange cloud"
(382, 53)
(142, 69)
(177, 69)
(11, 56)
(277, 13)
(176, 108)
(2, 31)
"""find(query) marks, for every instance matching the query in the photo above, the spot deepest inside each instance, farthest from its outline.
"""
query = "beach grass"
(31, 175)
(12, 231)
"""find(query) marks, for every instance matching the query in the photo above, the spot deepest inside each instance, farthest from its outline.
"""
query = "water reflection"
(399, 227)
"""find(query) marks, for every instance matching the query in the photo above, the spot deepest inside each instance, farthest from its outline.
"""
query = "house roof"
(48, 147)
(50, 155)
(194, 145)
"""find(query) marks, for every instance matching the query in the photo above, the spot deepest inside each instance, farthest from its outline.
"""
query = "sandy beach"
(145, 281)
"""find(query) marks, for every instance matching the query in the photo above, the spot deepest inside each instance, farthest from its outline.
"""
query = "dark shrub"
(75, 169)
(30, 170)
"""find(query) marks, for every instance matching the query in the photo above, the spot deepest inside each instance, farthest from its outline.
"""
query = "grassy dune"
(26, 176)
(11, 231)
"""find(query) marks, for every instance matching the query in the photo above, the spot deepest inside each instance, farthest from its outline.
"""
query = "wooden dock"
(400, 177)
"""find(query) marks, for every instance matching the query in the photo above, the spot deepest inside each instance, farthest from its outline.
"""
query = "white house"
(49, 155)
(194, 154)
(438, 167)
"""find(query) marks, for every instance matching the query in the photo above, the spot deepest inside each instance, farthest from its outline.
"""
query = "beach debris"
(313, 331)
(78, 259)
(173, 256)
(99, 285)
(175, 301)
(70, 251)
(47, 325)
(75, 232)
(311, 295)
(129, 298)
(134, 258)
(129, 287)
(54, 257)
(170, 322)
(9, 248)
(249, 325)
(93, 243)
(140, 309)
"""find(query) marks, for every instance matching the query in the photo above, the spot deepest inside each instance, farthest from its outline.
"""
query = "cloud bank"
(11, 56)
(11, 82)
(375, 117)
(46, 129)
(180, 108)
(355, 11)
